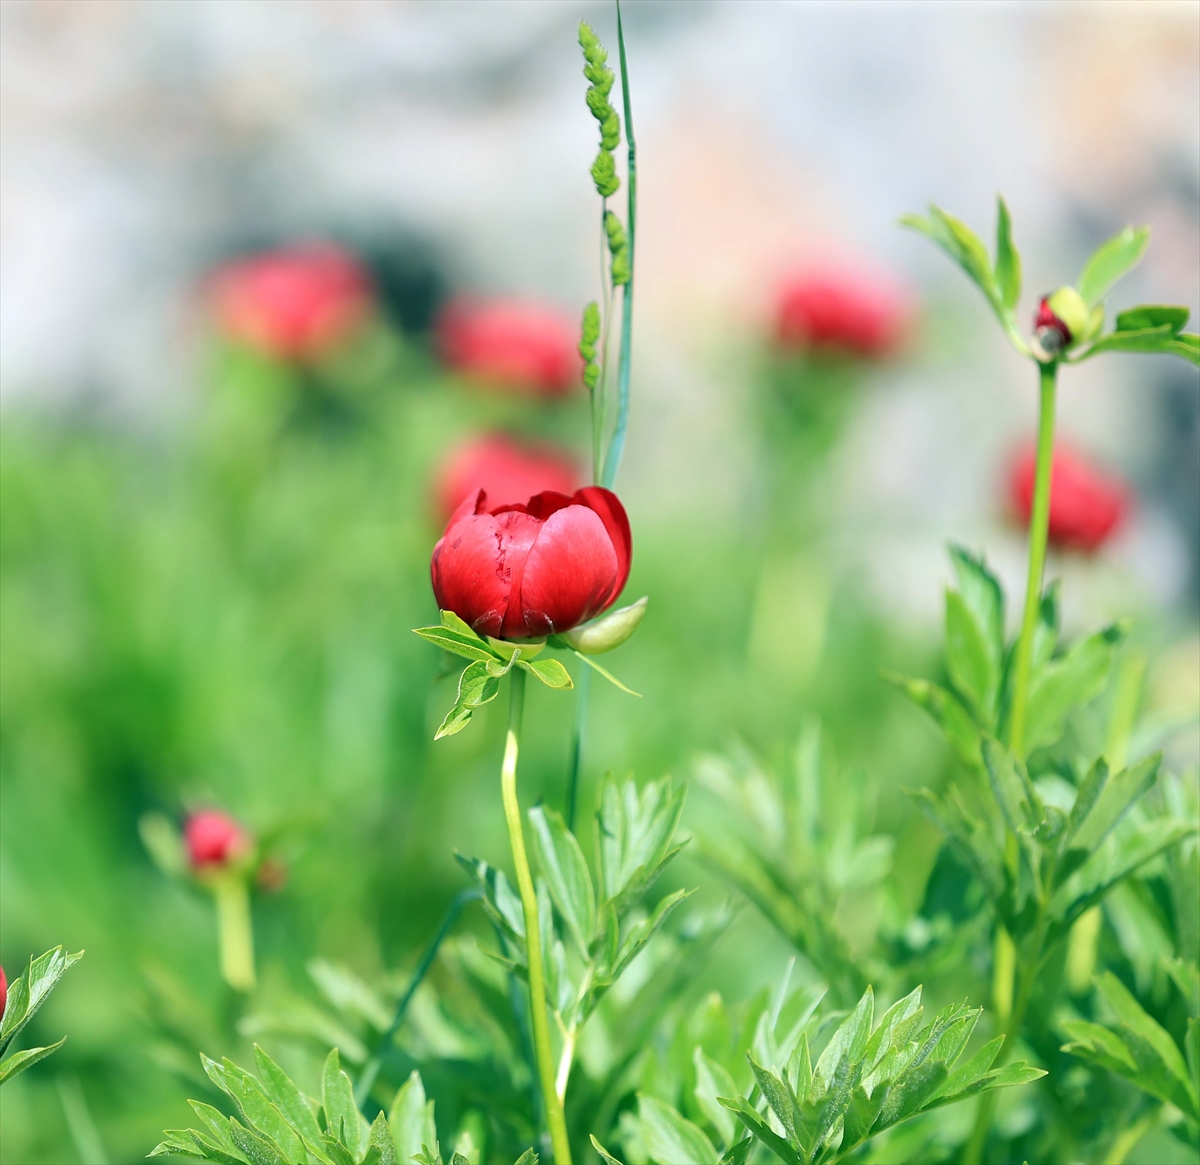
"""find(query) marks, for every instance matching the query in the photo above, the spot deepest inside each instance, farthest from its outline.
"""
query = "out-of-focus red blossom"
(1086, 505)
(505, 470)
(3, 992)
(842, 307)
(213, 839)
(524, 571)
(294, 303)
(511, 344)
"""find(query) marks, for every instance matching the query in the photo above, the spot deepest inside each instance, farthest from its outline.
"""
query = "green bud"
(608, 631)
(604, 174)
(589, 335)
(618, 245)
(1068, 305)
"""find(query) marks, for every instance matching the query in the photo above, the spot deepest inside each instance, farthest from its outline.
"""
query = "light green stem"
(1128, 1138)
(235, 930)
(533, 947)
(1039, 526)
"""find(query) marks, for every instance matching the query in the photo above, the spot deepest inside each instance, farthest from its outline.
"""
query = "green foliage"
(26, 994)
(589, 336)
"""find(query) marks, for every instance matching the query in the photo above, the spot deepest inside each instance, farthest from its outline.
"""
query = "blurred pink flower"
(509, 473)
(1086, 505)
(511, 344)
(294, 303)
(844, 307)
(213, 839)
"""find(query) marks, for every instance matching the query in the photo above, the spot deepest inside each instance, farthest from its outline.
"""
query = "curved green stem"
(533, 946)
(1039, 526)
(616, 446)
(235, 929)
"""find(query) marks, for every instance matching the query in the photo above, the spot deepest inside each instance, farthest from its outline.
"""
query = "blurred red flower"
(838, 306)
(1086, 505)
(511, 344)
(294, 303)
(213, 839)
(506, 471)
(524, 571)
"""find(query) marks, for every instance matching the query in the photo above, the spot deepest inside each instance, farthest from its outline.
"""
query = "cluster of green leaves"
(1150, 328)
(593, 927)
(25, 995)
(280, 1125)
(864, 1081)
(796, 850)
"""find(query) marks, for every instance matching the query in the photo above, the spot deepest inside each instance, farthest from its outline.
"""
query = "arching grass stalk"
(539, 1019)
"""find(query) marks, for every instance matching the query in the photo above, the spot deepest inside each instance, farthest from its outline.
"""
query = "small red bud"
(1051, 332)
(213, 839)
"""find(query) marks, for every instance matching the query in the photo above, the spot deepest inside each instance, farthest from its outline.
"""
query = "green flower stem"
(533, 947)
(1039, 525)
(235, 930)
(366, 1080)
(582, 685)
(616, 445)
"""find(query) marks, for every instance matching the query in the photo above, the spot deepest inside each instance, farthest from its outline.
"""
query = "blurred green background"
(211, 559)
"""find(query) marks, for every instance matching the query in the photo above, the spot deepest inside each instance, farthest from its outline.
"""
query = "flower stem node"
(609, 631)
(1062, 321)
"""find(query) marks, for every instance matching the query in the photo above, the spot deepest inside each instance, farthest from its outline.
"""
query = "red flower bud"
(1086, 506)
(3, 992)
(840, 308)
(513, 345)
(1050, 331)
(293, 304)
(508, 472)
(525, 571)
(213, 839)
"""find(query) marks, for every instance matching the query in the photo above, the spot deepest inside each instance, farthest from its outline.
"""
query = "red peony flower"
(293, 303)
(1086, 505)
(506, 471)
(525, 571)
(839, 307)
(511, 344)
(213, 839)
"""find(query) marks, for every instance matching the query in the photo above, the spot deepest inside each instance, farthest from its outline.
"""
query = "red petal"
(608, 508)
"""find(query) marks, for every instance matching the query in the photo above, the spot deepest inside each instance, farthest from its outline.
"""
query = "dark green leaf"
(1110, 261)
(1157, 1057)
(567, 875)
(261, 1114)
(670, 1138)
(970, 1071)
(969, 836)
(1137, 319)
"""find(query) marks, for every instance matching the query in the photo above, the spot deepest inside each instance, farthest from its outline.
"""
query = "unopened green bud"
(608, 631)
(604, 174)
(1068, 305)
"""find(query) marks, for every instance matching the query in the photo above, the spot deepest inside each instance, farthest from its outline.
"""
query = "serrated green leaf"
(861, 1114)
(894, 1028)
(411, 1119)
(909, 1093)
(949, 714)
(19, 1061)
(1095, 1042)
(1018, 799)
(565, 868)
(287, 1097)
(634, 832)
(971, 1071)
(1137, 319)
(380, 1140)
(257, 1148)
(642, 932)
(760, 1129)
(457, 644)
(780, 1097)
(217, 1124)
(848, 1044)
(1008, 259)
(1153, 1049)
(500, 900)
(671, 1138)
(970, 837)
(550, 672)
(28, 992)
(1110, 261)
(261, 1114)
(712, 1080)
(342, 1118)
(1110, 803)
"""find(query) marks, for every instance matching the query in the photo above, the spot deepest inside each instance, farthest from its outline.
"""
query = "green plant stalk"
(616, 445)
(235, 930)
(366, 1080)
(1039, 526)
(533, 947)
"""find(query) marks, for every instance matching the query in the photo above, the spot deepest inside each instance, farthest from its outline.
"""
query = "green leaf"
(953, 719)
(567, 875)
(529, 1157)
(549, 671)
(1137, 319)
(1110, 800)
(1018, 799)
(1110, 261)
(670, 1138)
(972, 661)
(380, 1139)
(1094, 1042)
(476, 686)
(848, 1044)
(28, 991)
(780, 1097)
(1158, 1059)
(983, 595)
(411, 1119)
(500, 900)
(634, 832)
(605, 1156)
(763, 1131)
(456, 643)
(612, 679)
(286, 1096)
(970, 837)
(1008, 259)
(217, 1124)
(738, 1153)
(713, 1080)
(971, 1071)
(261, 1114)
(1048, 626)
(642, 932)
(342, 1118)
(256, 1148)
(19, 1061)
(1161, 339)
(349, 994)
(1067, 683)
